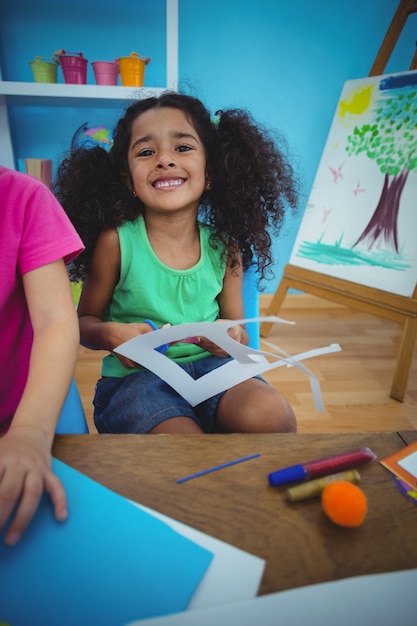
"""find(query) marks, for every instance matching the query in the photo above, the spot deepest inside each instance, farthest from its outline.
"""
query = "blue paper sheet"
(108, 564)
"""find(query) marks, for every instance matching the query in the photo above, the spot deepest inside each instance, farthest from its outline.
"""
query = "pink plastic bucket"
(105, 72)
(74, 67)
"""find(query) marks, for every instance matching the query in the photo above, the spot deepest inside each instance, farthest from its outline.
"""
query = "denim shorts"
(138, 402)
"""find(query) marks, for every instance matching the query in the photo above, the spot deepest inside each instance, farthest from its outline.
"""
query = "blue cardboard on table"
(109, 563)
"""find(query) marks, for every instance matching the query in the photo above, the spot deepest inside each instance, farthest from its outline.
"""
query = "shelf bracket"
(172, 44)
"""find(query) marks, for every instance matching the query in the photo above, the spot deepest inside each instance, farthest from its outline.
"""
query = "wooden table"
(237, 505)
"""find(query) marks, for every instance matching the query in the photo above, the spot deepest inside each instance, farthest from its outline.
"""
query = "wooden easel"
(374, 301)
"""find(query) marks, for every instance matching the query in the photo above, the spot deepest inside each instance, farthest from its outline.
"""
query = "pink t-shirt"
(34, 231)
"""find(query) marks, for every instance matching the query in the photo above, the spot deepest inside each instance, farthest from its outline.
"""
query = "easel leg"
(275, 305)
(404, 359)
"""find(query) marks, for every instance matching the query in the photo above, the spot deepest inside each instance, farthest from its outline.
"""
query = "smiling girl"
(171, 217)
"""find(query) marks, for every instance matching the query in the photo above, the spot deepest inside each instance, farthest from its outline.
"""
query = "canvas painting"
(360, 222)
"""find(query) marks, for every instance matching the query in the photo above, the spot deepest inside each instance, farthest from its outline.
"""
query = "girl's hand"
(129, 331)
(127, 363)
(235, 332)
(25, 473)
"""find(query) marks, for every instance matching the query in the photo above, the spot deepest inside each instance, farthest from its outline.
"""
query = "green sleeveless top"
(149, 289)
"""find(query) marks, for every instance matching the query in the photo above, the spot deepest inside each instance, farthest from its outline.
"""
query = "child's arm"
(25, 451)
(98, 288)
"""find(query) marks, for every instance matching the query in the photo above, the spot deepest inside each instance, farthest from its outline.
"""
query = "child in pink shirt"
(39, 340)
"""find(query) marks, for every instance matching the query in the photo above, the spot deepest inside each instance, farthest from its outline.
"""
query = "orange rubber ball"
(344, 503)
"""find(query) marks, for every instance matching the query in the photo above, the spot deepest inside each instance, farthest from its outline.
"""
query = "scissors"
(165, 346)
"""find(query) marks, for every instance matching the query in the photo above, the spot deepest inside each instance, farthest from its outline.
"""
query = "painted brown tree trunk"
(382, 230)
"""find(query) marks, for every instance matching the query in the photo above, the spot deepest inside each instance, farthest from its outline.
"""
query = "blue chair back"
(72, 420)
(251, 306)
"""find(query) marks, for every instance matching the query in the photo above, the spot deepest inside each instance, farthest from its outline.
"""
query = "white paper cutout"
(247, 362)
(409, 463)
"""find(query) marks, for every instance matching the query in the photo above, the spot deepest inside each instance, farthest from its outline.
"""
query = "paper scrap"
(403, 464)
(384, 599)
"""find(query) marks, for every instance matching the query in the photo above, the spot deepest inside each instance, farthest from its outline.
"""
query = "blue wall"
(284, 61)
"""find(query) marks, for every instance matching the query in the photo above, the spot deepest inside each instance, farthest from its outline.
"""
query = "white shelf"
(33, 94)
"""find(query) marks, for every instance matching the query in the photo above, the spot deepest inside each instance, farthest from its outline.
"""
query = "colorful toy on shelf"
(89, 137)
(105, 72)
(44, 70)
(74, 67)
(132, 70)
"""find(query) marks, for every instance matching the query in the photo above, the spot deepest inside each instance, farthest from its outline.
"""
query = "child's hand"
(25, 473)
(129, 331)
(235, 332)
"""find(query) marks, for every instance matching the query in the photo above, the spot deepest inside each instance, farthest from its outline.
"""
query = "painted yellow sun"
(356, 102)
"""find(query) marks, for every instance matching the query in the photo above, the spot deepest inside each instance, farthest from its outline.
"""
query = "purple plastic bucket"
(74, 68)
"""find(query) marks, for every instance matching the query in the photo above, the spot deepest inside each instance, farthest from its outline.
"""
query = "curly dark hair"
(252, 182)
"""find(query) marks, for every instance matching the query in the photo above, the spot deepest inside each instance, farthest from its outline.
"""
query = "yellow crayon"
(313, 488)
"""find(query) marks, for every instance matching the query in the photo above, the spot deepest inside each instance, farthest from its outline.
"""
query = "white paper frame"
(247, 362)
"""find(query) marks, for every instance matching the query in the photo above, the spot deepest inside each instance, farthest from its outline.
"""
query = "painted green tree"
(390, 140)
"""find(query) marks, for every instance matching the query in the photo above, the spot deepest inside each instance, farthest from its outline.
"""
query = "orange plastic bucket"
(74, 67)
(44, 71)
(132, 70)
(105, 72)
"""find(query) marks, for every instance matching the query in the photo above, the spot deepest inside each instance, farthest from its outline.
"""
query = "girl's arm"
(25, 451)
(96, 295)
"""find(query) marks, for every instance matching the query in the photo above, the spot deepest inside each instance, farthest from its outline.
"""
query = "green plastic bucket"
(44, 71)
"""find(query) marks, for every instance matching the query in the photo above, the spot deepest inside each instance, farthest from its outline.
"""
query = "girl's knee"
(275, 414)
(286, 420)
(261, 409)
